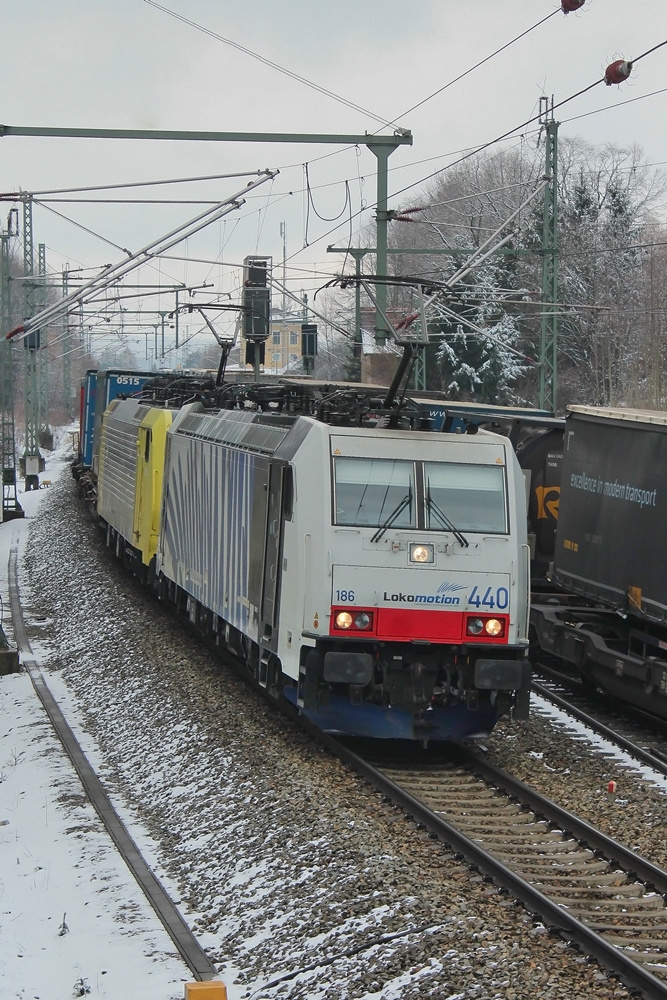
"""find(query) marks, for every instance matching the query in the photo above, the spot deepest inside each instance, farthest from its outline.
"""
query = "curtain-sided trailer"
(610, 620)
(378, 578)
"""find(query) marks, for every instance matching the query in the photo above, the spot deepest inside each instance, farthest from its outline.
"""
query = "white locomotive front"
(412, 573)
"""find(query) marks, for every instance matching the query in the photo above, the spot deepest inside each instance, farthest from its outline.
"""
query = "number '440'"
(492, 598)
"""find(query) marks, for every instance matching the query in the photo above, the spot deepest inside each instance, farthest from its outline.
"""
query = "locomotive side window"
(370, 491)
(288, 493)
(471, 496)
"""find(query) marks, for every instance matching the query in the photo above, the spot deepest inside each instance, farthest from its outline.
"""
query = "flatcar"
(373, 572)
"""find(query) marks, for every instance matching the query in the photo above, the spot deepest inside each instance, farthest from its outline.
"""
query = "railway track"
(185, 942)
(642, 736)
(580, 883)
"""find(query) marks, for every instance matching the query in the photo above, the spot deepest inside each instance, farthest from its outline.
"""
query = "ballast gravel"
(299, 881)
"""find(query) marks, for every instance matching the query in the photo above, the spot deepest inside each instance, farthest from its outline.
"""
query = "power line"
(477, 65)
(131, 184)
(268, 62)
(467, 155)
(611, 107)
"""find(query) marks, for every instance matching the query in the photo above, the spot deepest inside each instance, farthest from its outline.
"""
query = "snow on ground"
(72, 919)
(602, 746)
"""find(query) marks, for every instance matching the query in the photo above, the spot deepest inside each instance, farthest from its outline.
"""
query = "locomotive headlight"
(422, 553)
(475, 626)
(343, 619)
(362, 620)
(493, 626)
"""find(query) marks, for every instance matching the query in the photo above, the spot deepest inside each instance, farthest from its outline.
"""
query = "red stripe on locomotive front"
(406, 624)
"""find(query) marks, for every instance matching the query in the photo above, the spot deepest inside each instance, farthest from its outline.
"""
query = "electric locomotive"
(370, 570)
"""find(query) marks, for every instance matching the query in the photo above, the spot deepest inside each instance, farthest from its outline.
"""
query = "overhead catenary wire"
(481, 62)
(529, 121)
(132, 184)
(466, 154)
(91, 232)
(268, 62)
(478, 149)
(612, 107)
(112, 273)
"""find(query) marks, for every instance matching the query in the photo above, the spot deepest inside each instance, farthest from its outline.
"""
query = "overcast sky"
(129, 64)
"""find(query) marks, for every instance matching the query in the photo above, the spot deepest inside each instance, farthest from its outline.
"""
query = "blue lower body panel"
(341, 717)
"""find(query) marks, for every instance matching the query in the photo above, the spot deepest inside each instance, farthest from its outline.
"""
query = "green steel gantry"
(67, 358)
(32, 461)
(548, 355)
(549, 317)
(44, 432)
(382, 146)
(11, 508)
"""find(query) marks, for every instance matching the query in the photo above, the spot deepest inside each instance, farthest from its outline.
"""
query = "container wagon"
(609, 617)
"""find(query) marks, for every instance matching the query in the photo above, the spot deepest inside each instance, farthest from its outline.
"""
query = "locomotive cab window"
(370, 492)
(471, 496)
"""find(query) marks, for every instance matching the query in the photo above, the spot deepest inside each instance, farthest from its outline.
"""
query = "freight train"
(607, 614)
(368, 569)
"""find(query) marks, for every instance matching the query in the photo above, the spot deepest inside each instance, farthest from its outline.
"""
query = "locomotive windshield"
(370, 490)
(377, 492)
(472, 496)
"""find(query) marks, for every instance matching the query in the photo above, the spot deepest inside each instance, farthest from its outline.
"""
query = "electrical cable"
(421, 181)
(529, 121)
(611, 107)
(309, 192)
(477, 65)
(131, 184)
(272, 65)
(467, 154)
(90, 232)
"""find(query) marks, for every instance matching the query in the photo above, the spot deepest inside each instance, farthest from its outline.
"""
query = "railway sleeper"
(648, 957)
(462, 801)
(500, 840)
(585, 889)
(643, 926)
(474, 811)
(614, 931)
(555, 848)
(637, 903)
(482, 824)
(561, 871)
(597, 870)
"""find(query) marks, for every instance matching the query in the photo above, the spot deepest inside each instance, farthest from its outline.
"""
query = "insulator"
(617, 72)
(568, 6)
(407, 321)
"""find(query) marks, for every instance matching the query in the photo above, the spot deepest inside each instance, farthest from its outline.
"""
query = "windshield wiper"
(434, 510)
(400, 507)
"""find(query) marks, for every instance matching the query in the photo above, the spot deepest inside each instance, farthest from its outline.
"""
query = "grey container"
(611, 540)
